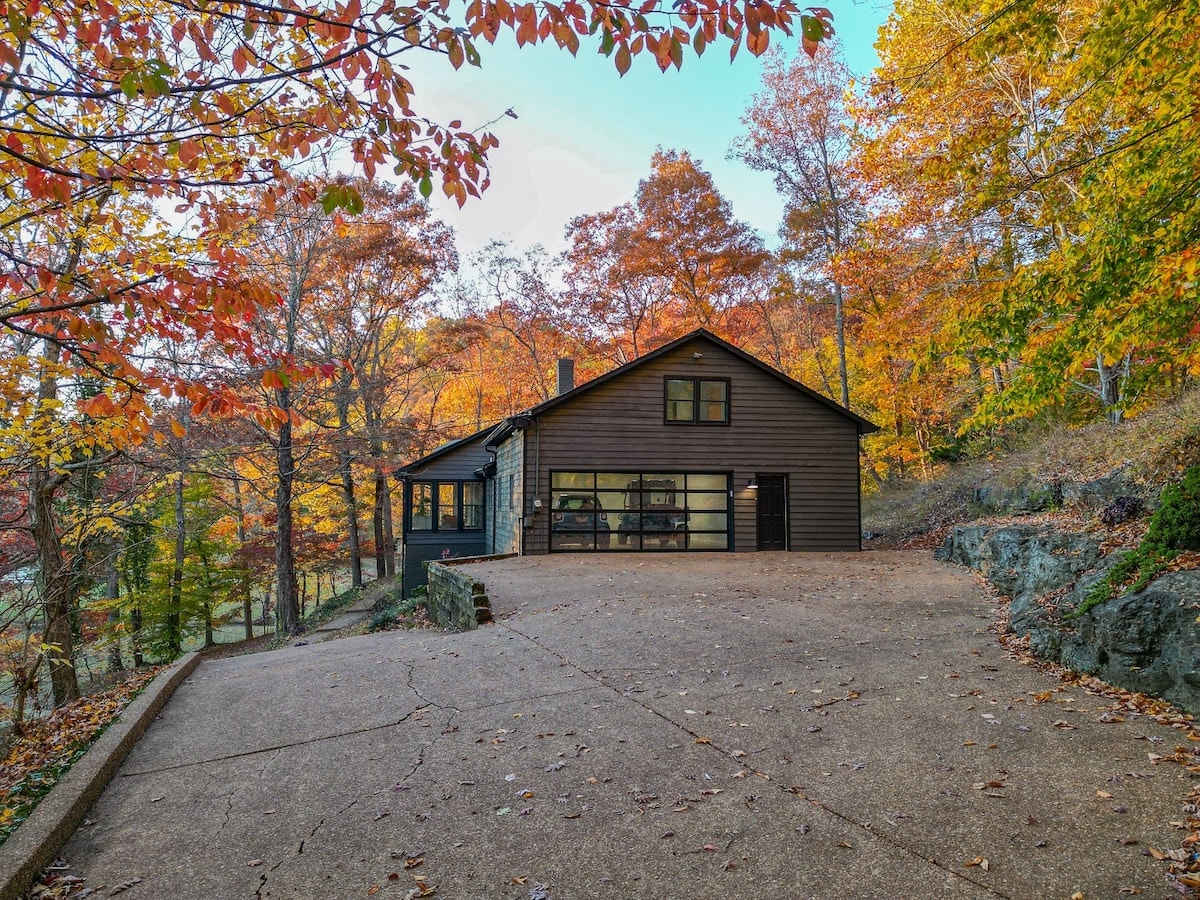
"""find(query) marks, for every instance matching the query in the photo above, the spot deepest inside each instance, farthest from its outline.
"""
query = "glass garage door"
(650, 510)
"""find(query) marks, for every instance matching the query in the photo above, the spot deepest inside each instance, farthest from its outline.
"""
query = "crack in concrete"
(262, 879)
(238, 788)
(863, 826)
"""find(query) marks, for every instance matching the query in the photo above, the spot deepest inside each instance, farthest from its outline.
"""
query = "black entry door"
(772, 512)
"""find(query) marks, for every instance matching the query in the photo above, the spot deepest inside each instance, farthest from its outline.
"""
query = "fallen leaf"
(1104, 795)
(254, 863)
(1130, 890)
(846, 844)
(703, 740)
(980, 861)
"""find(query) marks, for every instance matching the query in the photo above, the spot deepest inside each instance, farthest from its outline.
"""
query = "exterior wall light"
(752, 485)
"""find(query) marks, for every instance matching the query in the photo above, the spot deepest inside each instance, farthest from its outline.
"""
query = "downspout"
(524, 491)
(858, 487)
(495, 479)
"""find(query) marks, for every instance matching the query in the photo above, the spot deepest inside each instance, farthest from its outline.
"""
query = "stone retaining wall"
(456, 599)
(1146, 641)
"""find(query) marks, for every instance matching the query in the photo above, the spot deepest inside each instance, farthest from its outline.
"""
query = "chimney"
(566, 375)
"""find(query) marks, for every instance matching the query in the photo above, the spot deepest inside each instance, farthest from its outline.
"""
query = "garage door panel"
(647, 510)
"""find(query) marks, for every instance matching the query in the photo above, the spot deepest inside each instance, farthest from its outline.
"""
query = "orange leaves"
(757, 43)
(274, 380)
(189, 151)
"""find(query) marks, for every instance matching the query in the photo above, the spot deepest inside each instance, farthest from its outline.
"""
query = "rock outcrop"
(1146, 641)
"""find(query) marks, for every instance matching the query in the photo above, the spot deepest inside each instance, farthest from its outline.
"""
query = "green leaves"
(149, 79)
(340, 195)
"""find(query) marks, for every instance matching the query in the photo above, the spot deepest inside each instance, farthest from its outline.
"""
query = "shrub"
(1174, 527)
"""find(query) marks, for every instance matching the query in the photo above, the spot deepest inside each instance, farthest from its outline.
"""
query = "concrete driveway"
(657, 726)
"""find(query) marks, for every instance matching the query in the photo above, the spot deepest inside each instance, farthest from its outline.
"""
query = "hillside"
(1048, 471)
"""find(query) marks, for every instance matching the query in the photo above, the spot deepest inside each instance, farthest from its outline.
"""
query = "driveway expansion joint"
(277, 747)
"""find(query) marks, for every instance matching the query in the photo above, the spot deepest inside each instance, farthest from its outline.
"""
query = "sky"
(584, 135)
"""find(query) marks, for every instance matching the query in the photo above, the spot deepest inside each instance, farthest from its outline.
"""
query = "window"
(697, 400)
(472, 505)
(421, 509)
(445, 506)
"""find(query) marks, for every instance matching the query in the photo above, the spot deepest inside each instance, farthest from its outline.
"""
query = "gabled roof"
(520, 421)
(495, 434)
(448, 447)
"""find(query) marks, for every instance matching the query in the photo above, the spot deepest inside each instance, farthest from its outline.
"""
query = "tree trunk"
(1111, 388)
(389, 535)
(175, 602)
(112, 593)
(244, 576)
(839, 317)
(287, 618)
(208, 595)
(345, 467)
(352, 538)
(135, 630)
(54, 574)
(377, 521)
(55, 582)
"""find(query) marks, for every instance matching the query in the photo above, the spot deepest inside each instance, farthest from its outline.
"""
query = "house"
(694, 446)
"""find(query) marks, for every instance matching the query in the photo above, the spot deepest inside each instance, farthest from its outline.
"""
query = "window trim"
(697, 381)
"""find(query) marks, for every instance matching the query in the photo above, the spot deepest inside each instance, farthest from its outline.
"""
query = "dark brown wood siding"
(773, 428)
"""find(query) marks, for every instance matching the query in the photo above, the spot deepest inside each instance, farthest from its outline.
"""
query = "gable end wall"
(773, 429)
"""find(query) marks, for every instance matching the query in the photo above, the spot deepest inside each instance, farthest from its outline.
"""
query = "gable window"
(693, 401)
(446, 506)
